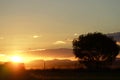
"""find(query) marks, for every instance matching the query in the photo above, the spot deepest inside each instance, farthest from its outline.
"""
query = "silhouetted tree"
(95, 50)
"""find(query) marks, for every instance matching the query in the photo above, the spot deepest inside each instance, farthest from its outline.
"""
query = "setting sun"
(16, 59)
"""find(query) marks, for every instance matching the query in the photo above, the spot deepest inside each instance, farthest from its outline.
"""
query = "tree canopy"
(95, 50)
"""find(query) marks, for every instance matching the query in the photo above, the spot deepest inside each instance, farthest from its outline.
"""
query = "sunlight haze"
(51, 24)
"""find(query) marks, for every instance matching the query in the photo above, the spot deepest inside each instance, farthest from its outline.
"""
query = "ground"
(75, 74)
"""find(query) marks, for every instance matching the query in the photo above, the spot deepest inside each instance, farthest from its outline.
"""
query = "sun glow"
(16, 59)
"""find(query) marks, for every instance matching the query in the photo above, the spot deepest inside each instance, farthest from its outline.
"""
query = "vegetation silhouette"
(95, 50)
(14, 71)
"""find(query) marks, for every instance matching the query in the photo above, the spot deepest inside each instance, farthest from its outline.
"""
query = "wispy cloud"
(59, 42)
(33, 50)
(36, 36)
(76, 34)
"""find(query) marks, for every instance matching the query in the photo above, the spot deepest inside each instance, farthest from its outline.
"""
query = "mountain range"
(52, 64)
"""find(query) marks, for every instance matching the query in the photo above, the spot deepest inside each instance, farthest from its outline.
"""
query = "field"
(10, 71)
(57, 74)
(75, 74)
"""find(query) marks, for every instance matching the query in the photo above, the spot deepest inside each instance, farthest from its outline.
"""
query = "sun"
(17, 59)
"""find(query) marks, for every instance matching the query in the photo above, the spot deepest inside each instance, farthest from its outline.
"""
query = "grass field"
(75, 75)
(59, 74)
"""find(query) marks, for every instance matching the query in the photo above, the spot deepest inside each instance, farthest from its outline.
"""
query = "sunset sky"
(46, 24)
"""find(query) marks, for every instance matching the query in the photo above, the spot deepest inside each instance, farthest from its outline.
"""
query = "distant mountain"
(61, 64)
(115, 35)
(50, 64)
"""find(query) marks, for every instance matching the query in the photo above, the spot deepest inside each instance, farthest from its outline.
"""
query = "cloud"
(59, 42)
(76, 34)
(36, 36)
(36, 49)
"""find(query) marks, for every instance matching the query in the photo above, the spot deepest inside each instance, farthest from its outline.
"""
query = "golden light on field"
(16, 59)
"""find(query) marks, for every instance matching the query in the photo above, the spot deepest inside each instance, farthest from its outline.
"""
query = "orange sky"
(51, 24)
